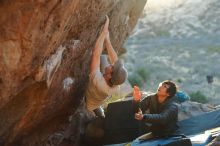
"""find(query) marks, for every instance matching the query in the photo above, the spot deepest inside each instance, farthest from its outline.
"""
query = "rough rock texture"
(45, 49)
(189, 109)
(215, 142)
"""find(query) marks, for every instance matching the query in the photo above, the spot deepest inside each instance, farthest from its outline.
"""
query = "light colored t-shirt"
(98, 90)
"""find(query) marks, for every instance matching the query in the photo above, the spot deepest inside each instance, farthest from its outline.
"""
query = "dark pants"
(94, 133)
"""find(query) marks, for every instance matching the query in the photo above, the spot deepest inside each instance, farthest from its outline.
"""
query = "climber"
(101, 86)
(160, 112)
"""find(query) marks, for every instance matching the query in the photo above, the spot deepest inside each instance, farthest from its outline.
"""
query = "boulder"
(189, 109)
(45, 51)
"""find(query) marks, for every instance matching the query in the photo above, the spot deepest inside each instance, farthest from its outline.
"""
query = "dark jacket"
(162, 117)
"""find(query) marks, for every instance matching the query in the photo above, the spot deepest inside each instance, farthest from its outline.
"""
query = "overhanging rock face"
(45, 50)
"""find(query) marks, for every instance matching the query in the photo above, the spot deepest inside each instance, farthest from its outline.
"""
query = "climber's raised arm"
(113, 57)
(97, 50)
